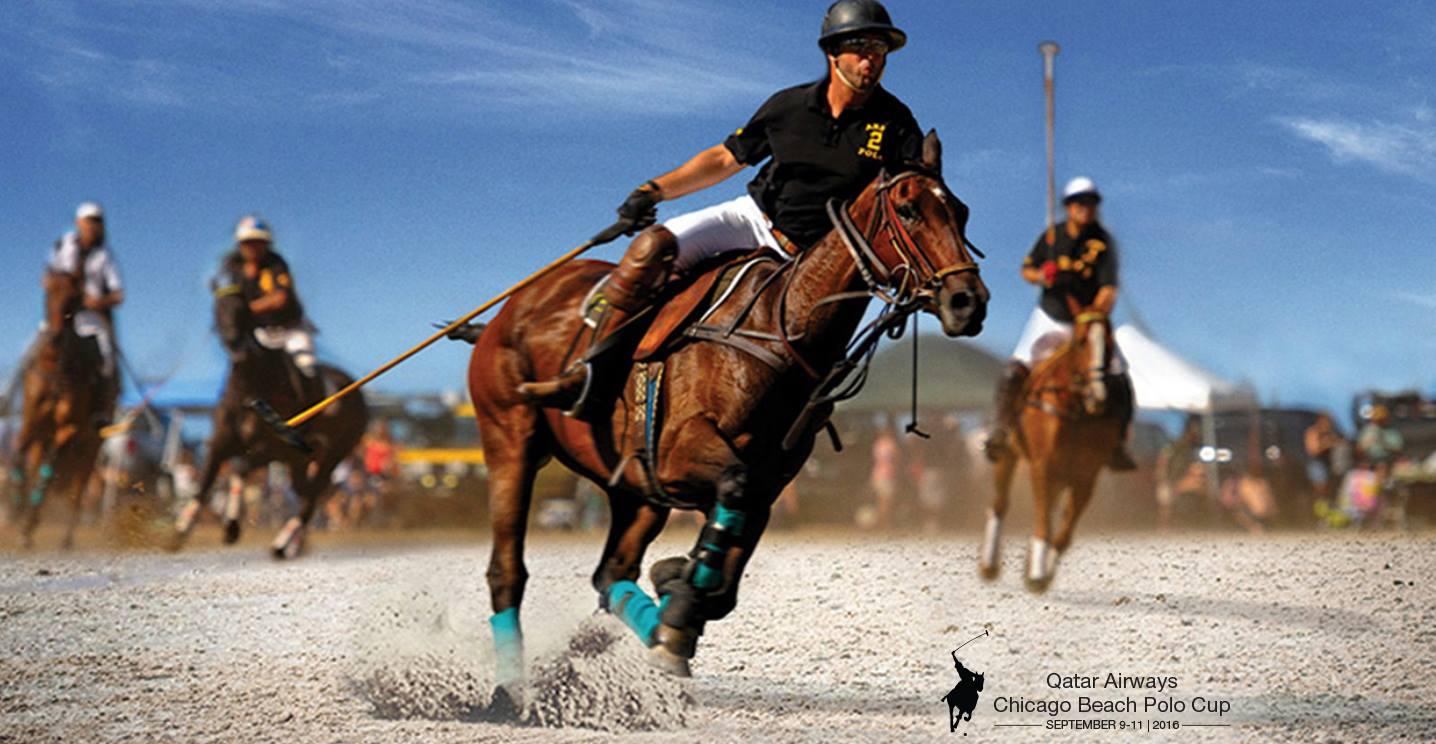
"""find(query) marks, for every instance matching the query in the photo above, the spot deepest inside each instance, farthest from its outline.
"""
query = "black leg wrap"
(703, 578)
(1121, 400)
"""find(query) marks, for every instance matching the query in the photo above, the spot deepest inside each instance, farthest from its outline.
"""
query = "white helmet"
(1080, 186)
(253, 227)
(90, 211)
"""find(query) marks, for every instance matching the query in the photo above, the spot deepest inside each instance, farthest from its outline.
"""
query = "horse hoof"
(290, 541)
(177, 541)
(661, 658)
(666, 570)
(989, 573)
(1038, 585)
(231, 531)
(503, 706)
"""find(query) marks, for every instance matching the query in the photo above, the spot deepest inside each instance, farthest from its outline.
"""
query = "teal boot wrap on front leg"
(37, 494)
(704, 574)
(636, 609)
(508, 647)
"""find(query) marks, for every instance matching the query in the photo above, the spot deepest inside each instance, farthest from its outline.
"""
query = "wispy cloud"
(1424, 300)
(1403, 148)
(578, 57)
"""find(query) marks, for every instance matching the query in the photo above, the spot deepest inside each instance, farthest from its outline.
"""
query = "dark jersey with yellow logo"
(1088, 263)
(815, 157)
(271, 274)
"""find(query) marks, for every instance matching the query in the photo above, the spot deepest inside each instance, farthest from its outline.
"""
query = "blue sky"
(1270, 168)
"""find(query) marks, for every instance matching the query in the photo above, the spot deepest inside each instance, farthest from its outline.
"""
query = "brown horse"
(701, 423)
(1066, 436)
(242, 436)
(59, 439)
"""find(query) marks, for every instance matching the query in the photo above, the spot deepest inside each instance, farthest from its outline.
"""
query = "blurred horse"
(243, 437)
(700, 422)
(1067, 437)
(59, 439)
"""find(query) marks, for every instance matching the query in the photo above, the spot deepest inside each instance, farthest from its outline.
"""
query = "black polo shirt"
(815, 157)
(1090, 263)
(272, 274)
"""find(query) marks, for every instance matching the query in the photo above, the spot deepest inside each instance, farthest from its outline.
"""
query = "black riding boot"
(626, 292)
(1009, 401)
(1119, 387)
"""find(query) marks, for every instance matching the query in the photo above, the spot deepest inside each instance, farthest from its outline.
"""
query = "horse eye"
(908, 212)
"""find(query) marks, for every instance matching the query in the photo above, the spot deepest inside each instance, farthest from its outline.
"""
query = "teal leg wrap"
(636, 609)
(37, 494)
(508, 646)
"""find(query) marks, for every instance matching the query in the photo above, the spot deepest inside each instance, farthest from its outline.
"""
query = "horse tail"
(468, 332)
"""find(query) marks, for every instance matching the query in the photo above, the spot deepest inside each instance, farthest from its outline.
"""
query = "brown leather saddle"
(709, 287)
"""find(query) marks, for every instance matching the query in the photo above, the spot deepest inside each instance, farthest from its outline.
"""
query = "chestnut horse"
(59, 439)
(702, 423)
(241, 434)
(1065, 435)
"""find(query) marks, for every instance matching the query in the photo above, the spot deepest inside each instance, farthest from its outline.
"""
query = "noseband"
(897, 270)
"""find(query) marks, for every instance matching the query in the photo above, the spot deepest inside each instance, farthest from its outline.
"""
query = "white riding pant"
(90, 324)
(1044, 334)
(736, 225)
(298, 342)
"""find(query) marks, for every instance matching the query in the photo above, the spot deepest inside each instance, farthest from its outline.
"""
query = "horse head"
(63, 298)
(915, 245)
(1092, 343)
(232, 319)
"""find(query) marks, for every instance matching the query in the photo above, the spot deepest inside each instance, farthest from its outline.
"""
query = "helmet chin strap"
(837, 69)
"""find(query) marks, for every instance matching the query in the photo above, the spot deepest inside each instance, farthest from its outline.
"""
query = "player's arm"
(712, 166)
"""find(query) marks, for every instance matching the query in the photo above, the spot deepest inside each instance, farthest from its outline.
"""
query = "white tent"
(1164, 381)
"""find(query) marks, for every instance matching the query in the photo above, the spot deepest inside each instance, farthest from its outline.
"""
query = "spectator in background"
(1379, 445)
(1321, 441)
(1179, 473)
(887, 457)
(381, 458)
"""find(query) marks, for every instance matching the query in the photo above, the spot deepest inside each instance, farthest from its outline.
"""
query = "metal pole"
(1049, 50)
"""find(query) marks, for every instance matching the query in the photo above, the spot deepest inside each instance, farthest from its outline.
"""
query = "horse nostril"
(960, 301)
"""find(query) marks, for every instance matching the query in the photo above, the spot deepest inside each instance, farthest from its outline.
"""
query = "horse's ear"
(932, 152)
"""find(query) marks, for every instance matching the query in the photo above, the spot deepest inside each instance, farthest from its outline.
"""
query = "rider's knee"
(655, 245)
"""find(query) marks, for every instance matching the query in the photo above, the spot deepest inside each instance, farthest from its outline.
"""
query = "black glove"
(640, 209)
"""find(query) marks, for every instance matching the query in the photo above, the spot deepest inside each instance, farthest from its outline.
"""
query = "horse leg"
(1040, 557)
(221, 447)
(635, 523)
(708, 583)
(1076, 501)
(41, 471)
(989, 563)
(513, 453)
(289, 543)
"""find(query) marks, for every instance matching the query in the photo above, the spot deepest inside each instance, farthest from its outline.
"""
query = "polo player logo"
(874, 146)
(962, 698)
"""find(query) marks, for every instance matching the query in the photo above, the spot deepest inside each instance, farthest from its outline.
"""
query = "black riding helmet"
(851, 17)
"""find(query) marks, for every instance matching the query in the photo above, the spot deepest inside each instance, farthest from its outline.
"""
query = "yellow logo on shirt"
(874, 146)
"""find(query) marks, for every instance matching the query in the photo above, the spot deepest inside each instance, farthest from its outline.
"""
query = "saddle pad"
(692, 300)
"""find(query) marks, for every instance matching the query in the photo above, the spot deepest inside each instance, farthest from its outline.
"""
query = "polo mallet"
(288, 430)
(1049, 50)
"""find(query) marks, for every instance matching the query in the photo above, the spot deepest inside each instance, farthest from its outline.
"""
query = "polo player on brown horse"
(725, 401)
(1071, 411)
(59, 438)
(253, 287)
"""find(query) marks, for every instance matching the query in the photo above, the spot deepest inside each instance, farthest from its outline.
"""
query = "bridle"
(896, 269)
(1073, 384)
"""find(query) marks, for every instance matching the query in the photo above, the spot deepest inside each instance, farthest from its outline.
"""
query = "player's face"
(253, 250)
(1081, 212)
(861, 60)
(91, 230)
